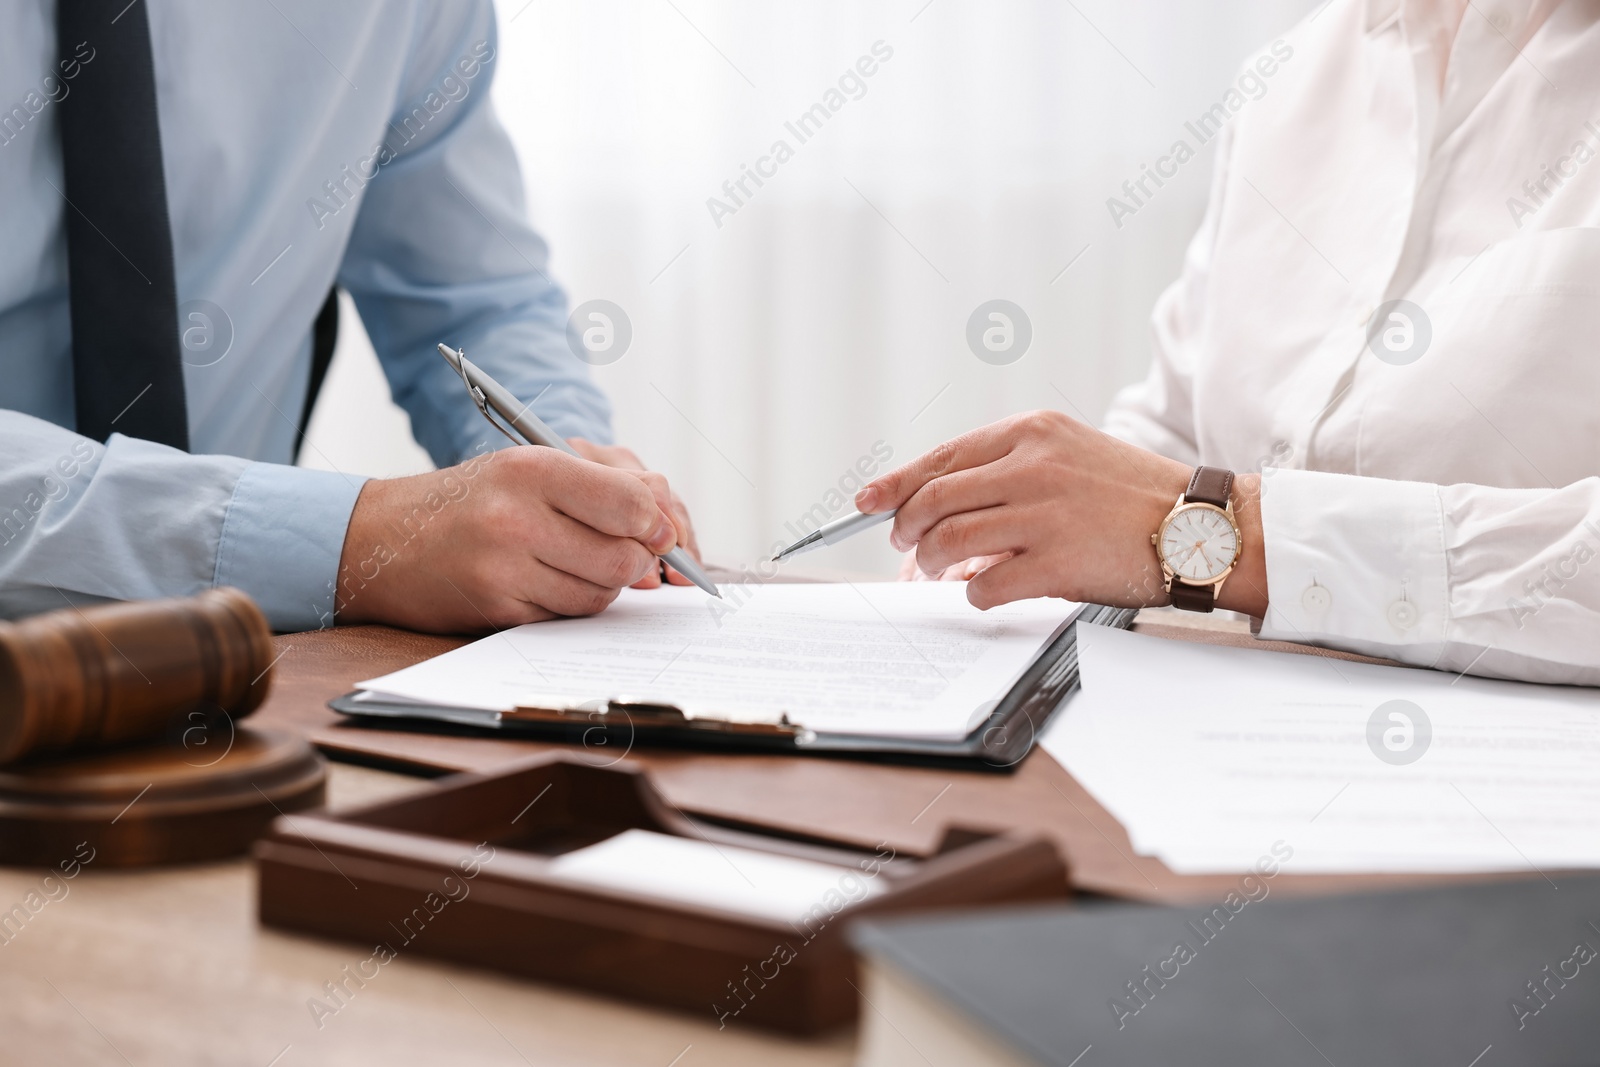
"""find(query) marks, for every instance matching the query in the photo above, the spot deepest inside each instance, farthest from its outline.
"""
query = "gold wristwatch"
(1198, 542)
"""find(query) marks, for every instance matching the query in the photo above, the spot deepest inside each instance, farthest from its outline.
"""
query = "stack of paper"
(907, 659)
(686, 870)
(1209, 756)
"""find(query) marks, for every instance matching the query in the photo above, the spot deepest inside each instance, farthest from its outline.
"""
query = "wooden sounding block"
(510, 870)
(118, 728)
(156, 803)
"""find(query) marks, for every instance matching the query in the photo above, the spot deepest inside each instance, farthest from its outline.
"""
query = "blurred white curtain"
(829, 311)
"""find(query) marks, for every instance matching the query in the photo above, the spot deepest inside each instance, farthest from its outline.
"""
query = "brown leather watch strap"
(1193, 597)
(1210, 485)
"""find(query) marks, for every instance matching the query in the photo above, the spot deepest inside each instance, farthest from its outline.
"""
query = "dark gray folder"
(1481, 975)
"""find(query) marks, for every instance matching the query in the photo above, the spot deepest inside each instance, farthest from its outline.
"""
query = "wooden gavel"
(86, 678)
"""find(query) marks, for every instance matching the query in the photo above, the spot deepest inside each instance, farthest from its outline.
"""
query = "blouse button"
(1402, 614)
(1316, 599)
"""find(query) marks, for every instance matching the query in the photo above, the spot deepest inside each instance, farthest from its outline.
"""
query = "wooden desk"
(168, 968)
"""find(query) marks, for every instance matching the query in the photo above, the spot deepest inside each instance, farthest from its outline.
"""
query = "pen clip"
(478, 398)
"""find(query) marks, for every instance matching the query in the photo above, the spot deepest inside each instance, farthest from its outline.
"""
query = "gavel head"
(79, 679)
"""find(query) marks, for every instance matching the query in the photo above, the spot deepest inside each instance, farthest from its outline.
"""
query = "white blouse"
(1429, 469)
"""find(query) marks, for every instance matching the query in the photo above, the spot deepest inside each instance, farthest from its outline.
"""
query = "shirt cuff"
(1356, 563)
(282, 538)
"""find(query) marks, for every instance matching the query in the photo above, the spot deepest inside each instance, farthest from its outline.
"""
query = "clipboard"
(618, 724)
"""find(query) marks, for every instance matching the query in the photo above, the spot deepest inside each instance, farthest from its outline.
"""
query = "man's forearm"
(82, 522)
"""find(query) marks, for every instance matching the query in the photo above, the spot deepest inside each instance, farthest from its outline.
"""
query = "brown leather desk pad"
(864, 803)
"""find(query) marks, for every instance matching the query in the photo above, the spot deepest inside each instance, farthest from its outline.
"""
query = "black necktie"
(127, 367)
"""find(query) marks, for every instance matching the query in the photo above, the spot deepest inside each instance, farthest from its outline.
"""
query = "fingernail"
(661, 538)
(867, 499)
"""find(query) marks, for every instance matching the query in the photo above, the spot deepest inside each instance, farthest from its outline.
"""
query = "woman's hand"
(959, 572)
(1042, 505)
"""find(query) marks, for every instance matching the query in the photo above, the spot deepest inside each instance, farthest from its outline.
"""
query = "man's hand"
(520, 535)
(624, 459)
(1059, 508)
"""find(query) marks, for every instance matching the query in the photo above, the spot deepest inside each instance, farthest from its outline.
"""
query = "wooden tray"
(463, 872)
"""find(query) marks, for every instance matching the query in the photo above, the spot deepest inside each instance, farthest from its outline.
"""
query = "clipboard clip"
(625, 713)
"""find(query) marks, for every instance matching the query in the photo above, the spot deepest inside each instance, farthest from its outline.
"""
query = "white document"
(910, 659)
(1209, 755)
(720, 877)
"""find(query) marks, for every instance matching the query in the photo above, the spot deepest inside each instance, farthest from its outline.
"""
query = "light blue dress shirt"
(304, 143)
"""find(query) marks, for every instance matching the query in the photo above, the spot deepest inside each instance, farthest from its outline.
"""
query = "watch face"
(1199, 544)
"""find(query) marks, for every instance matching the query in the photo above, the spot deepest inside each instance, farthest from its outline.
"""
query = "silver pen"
(832, 533)
(488, 393)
